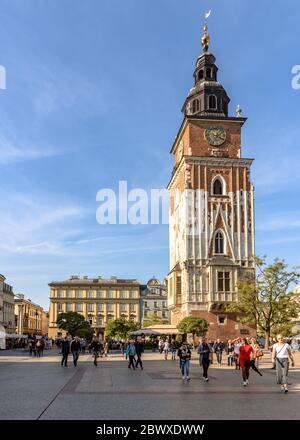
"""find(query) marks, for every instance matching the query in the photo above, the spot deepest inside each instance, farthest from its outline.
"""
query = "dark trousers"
(230, 360)
(139, 361)
(75, 356)
(64, 360)
(131, 364)
(205, 365)
(245, 372)
(219, 357)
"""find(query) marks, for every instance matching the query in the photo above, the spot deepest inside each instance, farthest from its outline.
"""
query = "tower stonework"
(211, 208)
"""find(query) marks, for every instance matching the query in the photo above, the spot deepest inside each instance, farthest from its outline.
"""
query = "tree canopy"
(194, 325)
(265, 301)
(73, 323)
(120, 327)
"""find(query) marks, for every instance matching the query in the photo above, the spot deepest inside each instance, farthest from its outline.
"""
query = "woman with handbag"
(281, 354)
(246, 355)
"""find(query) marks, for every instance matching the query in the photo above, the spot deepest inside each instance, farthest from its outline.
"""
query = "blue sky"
(94, 92)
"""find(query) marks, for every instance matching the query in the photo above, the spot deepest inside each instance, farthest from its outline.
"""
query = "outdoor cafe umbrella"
(144, 332)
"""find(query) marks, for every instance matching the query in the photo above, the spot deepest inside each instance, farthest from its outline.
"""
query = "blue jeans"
(184, 365)
(75, 356)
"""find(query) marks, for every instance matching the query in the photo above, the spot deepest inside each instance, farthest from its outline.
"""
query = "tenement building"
(31, 319)
(98, 300)
(7, 313)
(211, 206)
(154, 301)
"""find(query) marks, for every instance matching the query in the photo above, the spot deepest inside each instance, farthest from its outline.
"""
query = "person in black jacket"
(96, 348)
(204, 351)
(65, 350)
(218, 349)
(75, 350)
(139, 347)
(184, 354)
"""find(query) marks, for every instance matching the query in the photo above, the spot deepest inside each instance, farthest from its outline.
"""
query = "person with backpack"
(281, 353)
(204, 355)
(184, 354)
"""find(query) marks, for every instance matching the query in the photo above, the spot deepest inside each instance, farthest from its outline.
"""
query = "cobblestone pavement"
(34, 388)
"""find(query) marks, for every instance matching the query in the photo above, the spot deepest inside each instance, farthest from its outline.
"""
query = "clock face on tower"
(215, 135)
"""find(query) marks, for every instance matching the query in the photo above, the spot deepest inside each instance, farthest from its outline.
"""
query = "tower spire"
(205, 39)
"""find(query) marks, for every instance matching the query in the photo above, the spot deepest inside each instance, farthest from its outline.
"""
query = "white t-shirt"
(237, 348)
(281, 350)
(166, 346)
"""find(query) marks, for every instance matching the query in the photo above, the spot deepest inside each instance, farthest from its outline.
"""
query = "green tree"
(153, 320)
(72, 322)
(264, 301)
(194, 325)
(120, 327)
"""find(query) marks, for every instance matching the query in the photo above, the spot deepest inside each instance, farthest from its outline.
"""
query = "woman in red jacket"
(246, 354)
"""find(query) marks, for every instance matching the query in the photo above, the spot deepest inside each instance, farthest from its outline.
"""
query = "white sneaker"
(247, 382)
(244, 383)
(183, 377)
(206, 379)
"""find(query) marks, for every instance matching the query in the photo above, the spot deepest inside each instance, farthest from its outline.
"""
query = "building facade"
(154, 301)
(98, 300)
(211, 206)
(30, 318)
(7, 313)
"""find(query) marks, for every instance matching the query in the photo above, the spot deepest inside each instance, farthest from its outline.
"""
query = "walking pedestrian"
(75, 350)
(65, 350)
(236, 353)
(96, 348)
(218, 349)
(184, 354)
(173, 349)
(246, 354)
(160, 345)
(139, 348)
(204, 352)
(131, 353)
(106, 348)
(280, 355)
(38, 347)
(229, 351)
(166, 349)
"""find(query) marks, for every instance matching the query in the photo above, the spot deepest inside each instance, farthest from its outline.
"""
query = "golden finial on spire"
(205, 39)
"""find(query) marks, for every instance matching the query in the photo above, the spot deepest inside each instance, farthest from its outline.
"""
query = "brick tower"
(211, 206)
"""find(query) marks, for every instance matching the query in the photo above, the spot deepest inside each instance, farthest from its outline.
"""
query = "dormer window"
(196, 105)
(212, 102)
(208, 73)
(200, 74)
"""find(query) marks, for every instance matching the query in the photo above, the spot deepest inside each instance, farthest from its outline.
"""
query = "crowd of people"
(241, 354)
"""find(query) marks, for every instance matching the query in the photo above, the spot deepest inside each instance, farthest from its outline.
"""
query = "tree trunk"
(267, 341)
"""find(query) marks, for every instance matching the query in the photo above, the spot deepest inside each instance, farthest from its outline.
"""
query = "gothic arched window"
(208, 73)
(218, 187)
(212, 102)
(219, 243)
